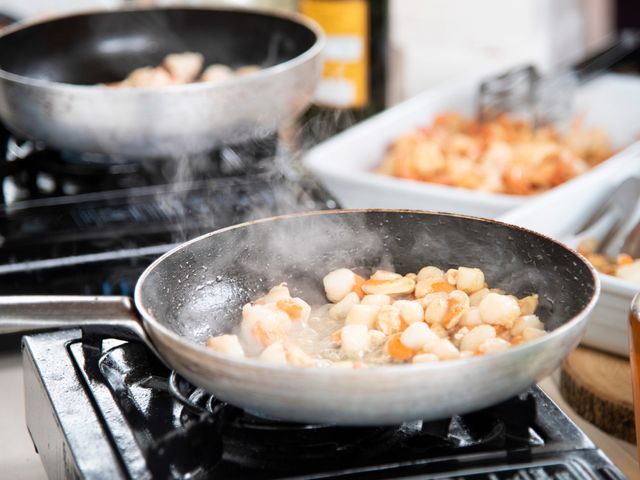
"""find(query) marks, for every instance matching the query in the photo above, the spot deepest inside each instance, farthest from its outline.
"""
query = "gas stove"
(104, 408)
(87, 224)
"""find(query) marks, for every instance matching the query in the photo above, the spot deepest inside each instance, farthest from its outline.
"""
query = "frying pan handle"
(111, 316)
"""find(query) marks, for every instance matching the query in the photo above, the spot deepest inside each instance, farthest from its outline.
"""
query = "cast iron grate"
(160, 426)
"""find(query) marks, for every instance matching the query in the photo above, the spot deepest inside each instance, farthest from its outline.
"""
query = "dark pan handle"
(114, 316)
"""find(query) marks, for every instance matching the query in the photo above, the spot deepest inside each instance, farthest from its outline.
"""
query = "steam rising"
(269, 256)
(200, 291)
(222, 273)
(320, 124)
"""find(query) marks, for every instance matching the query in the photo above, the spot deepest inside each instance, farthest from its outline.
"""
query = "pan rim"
(151, 323)
(304, 57)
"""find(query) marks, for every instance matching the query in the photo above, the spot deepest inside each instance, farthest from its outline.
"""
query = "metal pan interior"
(92, 48)
(200, 288)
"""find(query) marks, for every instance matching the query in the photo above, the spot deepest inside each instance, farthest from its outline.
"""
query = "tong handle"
(622, 198)
(514, 90)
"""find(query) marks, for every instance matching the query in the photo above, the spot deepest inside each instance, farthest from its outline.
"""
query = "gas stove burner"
(149, 423)
(96, 159)
(69, 225)
(264, 443)
(195, 400)
(506, 425)
(35, 172)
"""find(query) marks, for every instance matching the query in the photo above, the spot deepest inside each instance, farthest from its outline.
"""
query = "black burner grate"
(266, 443)
(36, 172)
(263, 443)
(177, 427)
(93, 225)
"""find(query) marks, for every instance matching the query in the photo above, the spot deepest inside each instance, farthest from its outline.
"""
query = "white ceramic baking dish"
(346, 162)
(561, 212)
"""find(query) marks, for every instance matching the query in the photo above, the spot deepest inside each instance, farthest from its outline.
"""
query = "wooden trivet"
(597, 386)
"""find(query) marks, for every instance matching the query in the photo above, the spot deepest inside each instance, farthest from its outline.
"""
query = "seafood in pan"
(425, 317)
(181, 68)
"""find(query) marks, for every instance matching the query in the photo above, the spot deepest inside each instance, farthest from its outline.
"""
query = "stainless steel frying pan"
(50, 71)
(199, 288)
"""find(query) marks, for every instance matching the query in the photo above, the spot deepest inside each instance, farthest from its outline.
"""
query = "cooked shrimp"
(430, 316)
(431, 285)
(526, 321)
(183, 67)
(295, 308)
(532, 333)
(528, 304)
(264, 324)
(147, 77)
(397, 350)
(457, 305)
(274, 354)
(505, 155)
(493, 345)
(247, 70)
(216, 73)
(277, 293)
(388, 319)
(227, 344)
(340, 310)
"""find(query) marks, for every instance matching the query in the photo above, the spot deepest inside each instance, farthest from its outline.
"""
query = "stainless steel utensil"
(526, 94)
(513, 91)
(545, 99)
(199, 288)
(610, 222)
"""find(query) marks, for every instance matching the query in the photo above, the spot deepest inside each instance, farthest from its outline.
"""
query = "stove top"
(117, 412)
(87, 224)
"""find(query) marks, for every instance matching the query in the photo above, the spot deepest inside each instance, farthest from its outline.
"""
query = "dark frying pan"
(49, 71)
(199, 288)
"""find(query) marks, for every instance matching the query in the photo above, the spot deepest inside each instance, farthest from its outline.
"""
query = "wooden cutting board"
(597, 385)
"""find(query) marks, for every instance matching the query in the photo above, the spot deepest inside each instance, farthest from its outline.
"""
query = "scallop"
(498, 309)
(338, 284)
(418, 336)
(363, 315)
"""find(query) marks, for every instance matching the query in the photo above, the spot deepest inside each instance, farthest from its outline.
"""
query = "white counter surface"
(18, 459)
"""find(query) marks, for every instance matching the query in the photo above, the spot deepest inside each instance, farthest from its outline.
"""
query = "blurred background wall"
(436, 39)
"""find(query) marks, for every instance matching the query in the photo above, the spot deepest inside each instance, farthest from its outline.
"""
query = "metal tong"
(543, 100)
(610, 223)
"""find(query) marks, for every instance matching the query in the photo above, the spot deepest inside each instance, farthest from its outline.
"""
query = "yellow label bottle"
(345, 78)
